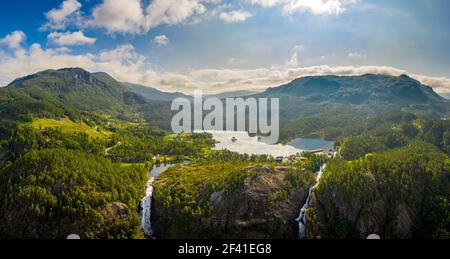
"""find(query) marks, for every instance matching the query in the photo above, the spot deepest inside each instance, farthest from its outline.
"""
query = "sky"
(224, 45)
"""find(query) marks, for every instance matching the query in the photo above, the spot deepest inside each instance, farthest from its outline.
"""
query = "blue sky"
(220, 45)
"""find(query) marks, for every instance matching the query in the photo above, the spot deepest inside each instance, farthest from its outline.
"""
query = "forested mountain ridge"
(153, 93)
(75, 152)
(79, 95)
(75, 87)
(334, 106)
(311, 106)
(357, 89)
(399, 193)
(394, 130)
(76, 148)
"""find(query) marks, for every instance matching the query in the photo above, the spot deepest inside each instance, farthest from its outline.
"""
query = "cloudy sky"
(224, 45)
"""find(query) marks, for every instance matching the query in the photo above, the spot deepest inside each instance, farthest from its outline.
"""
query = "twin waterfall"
(146, 203)
(303, 212)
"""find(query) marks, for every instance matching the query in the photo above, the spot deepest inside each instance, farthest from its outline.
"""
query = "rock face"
(117, 209)
(396, 195)
(377, 218)
(251, 211)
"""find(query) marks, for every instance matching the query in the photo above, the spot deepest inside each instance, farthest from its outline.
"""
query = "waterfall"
(146, 202)
(146, 212)
(303, 212)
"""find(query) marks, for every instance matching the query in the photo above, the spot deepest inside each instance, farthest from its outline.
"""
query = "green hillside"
(76, 148)
(332, 106)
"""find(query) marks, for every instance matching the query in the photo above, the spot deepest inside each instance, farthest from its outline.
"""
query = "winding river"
(302, 218)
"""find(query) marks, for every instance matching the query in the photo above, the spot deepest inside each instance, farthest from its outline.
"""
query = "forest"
(54, 183)
(400, 193)
(76, 149)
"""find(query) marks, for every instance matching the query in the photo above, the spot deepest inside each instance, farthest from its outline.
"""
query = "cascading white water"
(303, 212)
(146, 212)
(146, 202)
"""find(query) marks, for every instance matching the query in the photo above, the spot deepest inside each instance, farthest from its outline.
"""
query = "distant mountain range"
(153, 93)
(323, 106)
(234, 94)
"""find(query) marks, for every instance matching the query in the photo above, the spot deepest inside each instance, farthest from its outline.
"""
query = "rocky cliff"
(262, 205)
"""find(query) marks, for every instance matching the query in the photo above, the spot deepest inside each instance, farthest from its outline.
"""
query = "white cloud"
(122, 62)
(135, 17)
(70, 38)
(172, 11)
(235, 16)
(125, 64)
(316, 7)
(130, 16)
(161, 40)
(59, 18)
(139, 16)
(293, 61)
(118, 16)
(13, 40)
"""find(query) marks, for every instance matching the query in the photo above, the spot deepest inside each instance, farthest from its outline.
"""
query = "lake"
(245, 144)
(311, 144)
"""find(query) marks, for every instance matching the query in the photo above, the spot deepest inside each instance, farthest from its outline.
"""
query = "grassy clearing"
(68, 126)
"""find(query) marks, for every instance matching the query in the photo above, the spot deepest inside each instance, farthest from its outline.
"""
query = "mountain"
(66, 92)
(71, 162)
(157, 95)
(320, 106)
(446, 95)
(333, 106)
(359, 89)
(234, 94)
(152, 93)
(71, 92)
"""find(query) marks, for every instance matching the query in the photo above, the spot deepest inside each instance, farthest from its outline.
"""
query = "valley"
(83, 153)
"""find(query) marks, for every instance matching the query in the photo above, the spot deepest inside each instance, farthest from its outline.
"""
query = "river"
(302, 218)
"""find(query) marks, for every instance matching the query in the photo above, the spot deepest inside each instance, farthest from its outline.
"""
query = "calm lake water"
(245, 144)
(311, 144)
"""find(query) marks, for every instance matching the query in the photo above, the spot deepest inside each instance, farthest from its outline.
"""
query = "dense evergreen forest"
(394, 130)
(75, 156)
(400, 193)
(76, 149)
(54, 183)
